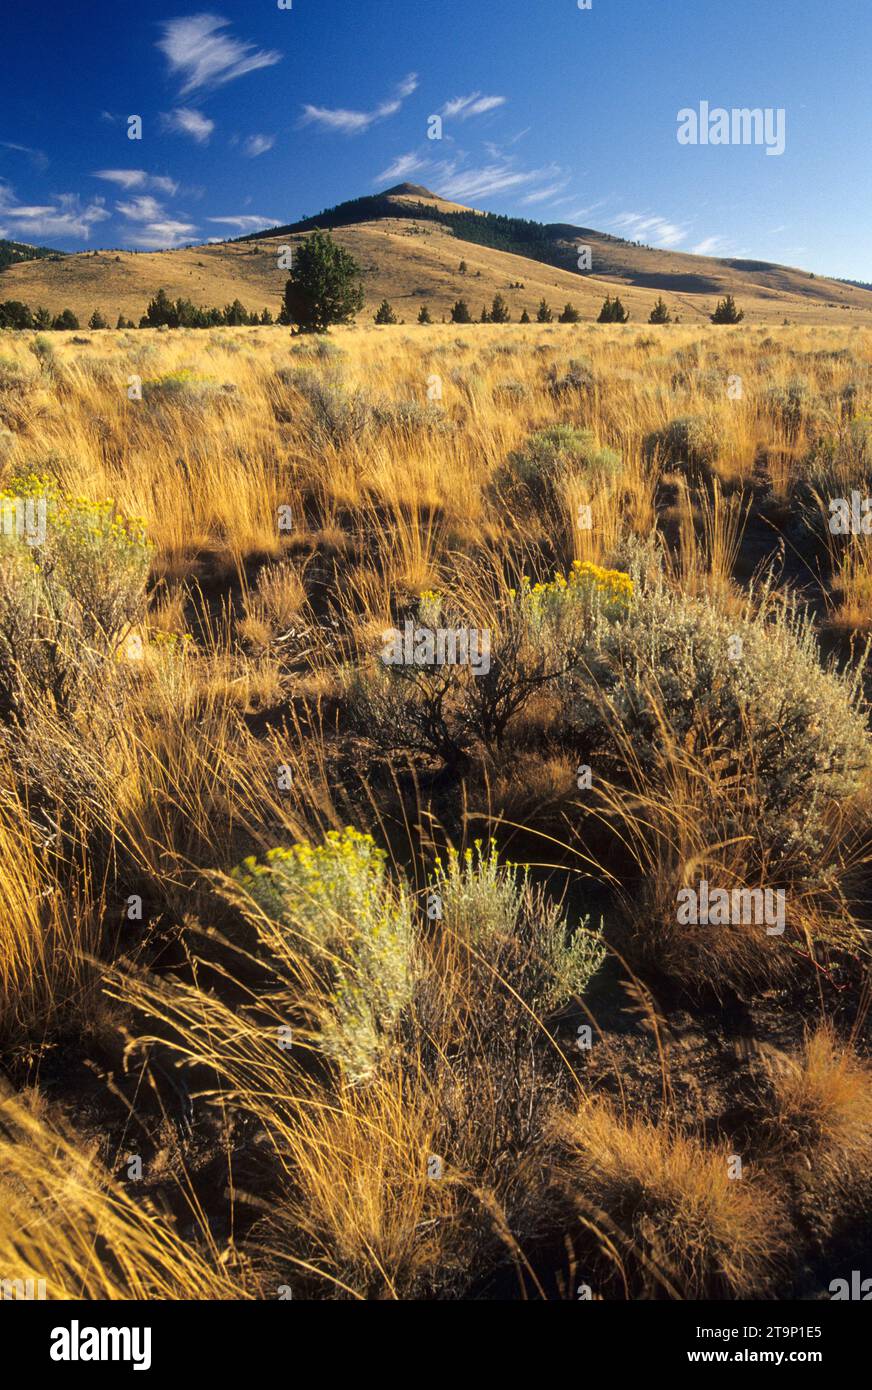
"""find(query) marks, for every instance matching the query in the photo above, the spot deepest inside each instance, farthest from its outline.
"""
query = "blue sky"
(253, 115)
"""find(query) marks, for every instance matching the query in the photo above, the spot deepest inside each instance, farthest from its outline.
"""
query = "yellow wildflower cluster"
(354, 926)
(349, 848)
(612, 587)
(77, 515)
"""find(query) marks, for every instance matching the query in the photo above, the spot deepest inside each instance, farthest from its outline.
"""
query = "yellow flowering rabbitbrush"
(334, 905)
(68, 594)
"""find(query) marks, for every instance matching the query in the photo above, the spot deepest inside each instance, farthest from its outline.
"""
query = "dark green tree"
(236, 314)
(544, 314)
(613, 311)
(325, 286)
(160, 312)
(727, 311)
(66, 319)
(424, 314)
(14, 314)
(485, 316)
(525, 317)
(385, 314)
(460, 313)
(97, 320)
(660, 313)
(42, 318)
(500, 310)
(570, 314)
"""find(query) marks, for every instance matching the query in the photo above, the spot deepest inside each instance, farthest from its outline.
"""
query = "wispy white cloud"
(257, 144)
(65, 216)
(462, 185)
(37, 157)
(657, 231)
(584, 212)
(246, 222)
(355, 122)
(545, 195)
(711, 246)
(474, 105)
(163, 235)
(203, 56)
(144, 209)
(402, 167)
(185, 121)
(138, 178)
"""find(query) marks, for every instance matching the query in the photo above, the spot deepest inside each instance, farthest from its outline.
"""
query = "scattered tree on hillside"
(325, 286)
(613, 311)
(460, 313)
(525, 317)
(424, 314)
(236, 314)
(66, 319)
(160, 312)
(544, 315)
(42, 318)
(14, 314)
(500, 310)
(570, 315)
(462, 268)
(385, 314)
(727, 311)
(660, 313)
(485, 316)
(97, 320)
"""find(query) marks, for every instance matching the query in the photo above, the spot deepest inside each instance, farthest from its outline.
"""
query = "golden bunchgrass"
(243, 647)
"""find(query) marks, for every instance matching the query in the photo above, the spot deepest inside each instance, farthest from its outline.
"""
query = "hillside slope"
(410, 244)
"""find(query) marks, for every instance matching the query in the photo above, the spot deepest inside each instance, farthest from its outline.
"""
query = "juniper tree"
(660, 313)
(544, 315)
(325, 286)
(613, 311)
(727, 311)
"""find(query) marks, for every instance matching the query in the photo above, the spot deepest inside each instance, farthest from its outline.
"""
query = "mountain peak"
(409, 190)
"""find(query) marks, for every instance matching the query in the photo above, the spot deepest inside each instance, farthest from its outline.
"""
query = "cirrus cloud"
(474, 105)
(203, 56)
(185, 121)
(137, 178)
(64, 216)
(355, 122)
